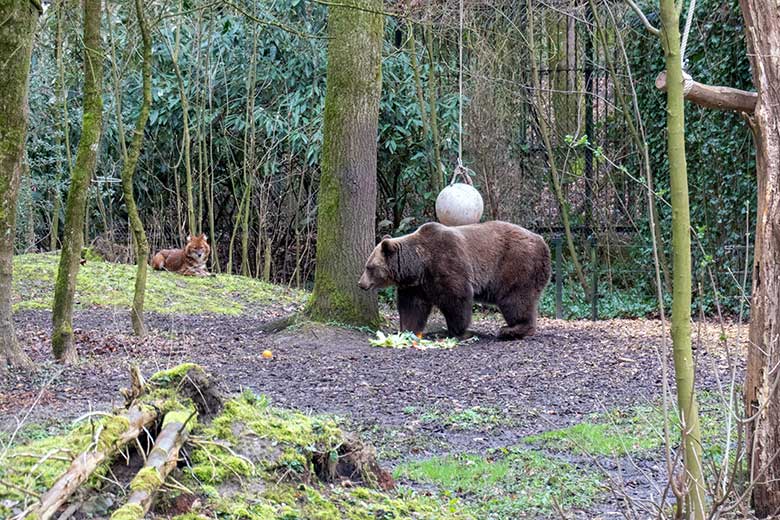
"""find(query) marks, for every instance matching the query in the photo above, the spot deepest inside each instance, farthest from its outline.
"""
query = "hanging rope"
(686, 32)
(460, 170)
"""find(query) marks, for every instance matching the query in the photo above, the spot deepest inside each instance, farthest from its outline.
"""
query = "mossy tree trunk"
(128, 171)
(81, 176)
(17, 26)
(762, 385)
(347, 197)
(681, 264)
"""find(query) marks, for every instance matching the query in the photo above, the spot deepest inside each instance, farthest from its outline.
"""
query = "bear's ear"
(386, 237)
(389, 247)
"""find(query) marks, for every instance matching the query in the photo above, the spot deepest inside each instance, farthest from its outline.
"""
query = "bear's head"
(378, 273)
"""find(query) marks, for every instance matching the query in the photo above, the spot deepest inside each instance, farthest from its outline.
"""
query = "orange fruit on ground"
(267, 354)
(419, 335)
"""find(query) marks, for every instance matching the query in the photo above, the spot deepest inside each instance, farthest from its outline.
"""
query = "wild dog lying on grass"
(190, 261)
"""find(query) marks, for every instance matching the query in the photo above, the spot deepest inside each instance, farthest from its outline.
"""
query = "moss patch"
(128, 512)
(270, 454)
(508, 483)
(105, 284)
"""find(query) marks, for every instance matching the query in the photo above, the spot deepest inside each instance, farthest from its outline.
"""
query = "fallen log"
(110, 436)
(160, 462)
(709, 96)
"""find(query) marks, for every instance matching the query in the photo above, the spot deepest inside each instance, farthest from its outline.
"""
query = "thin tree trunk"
(17, 30)
(435, 186)
(437, 181)
(681, 266)
(762, 384)
(544, 132)
(193, 224)
(64, 138)
(128, 171)
(347, 197)
(86, 162)
(638, 134)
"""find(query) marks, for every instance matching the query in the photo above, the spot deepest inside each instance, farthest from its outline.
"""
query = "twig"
(650, 28)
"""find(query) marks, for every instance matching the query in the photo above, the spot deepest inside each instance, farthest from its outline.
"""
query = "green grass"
(638, 432)
(475, 418)
(104, 284)
(508, 483)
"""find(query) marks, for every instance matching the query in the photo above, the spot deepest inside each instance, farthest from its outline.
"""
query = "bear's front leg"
(457, 313)
(413, 309)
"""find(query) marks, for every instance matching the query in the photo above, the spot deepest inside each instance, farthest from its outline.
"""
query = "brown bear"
(451, 267)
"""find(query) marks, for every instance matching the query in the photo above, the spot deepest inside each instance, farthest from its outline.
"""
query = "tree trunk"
(347, 197)
(681, 265)
(17, 26)
(64, 139)
(437, 180)
(86, 162)
(128, 171)
(762, 385)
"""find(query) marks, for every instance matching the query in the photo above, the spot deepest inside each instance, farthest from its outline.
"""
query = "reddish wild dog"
(190, 261)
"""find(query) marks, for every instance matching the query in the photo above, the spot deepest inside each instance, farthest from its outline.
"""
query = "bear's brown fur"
(451, 267)
(190, 261)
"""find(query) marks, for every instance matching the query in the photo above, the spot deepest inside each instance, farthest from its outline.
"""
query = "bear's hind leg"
(520, 315)
(413, 310)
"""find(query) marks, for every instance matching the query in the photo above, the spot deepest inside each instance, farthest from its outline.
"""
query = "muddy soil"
(554, 378)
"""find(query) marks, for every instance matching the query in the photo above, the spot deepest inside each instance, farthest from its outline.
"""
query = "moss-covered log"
(81, 176)
(159, 463)
(17, 26)
(128, 171)
(110, 437)
(347, 197)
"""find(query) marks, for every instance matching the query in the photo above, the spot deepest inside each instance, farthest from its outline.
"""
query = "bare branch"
(709, 96)
(650, 28)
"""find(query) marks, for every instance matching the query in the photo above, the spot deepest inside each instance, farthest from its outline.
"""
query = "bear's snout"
(364, 283)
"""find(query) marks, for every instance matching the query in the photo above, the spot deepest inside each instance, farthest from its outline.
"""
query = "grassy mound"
(105, 284)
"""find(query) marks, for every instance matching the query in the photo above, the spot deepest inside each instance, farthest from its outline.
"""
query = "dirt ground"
(555, 378)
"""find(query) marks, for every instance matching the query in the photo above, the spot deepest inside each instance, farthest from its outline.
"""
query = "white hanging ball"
(459, 204)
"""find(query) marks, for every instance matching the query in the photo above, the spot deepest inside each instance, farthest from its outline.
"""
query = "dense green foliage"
(272, 145)
(719, 149)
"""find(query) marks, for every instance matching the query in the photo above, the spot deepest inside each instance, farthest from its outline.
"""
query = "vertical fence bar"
(588, 73)
(594, 288)
(558, 242)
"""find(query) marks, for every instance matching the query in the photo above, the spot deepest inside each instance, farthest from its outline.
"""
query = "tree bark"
(681, 266)
(128, 171)
(81, 176)
(762, 385)
(17, 28)
(347, 197)
(716, 97)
